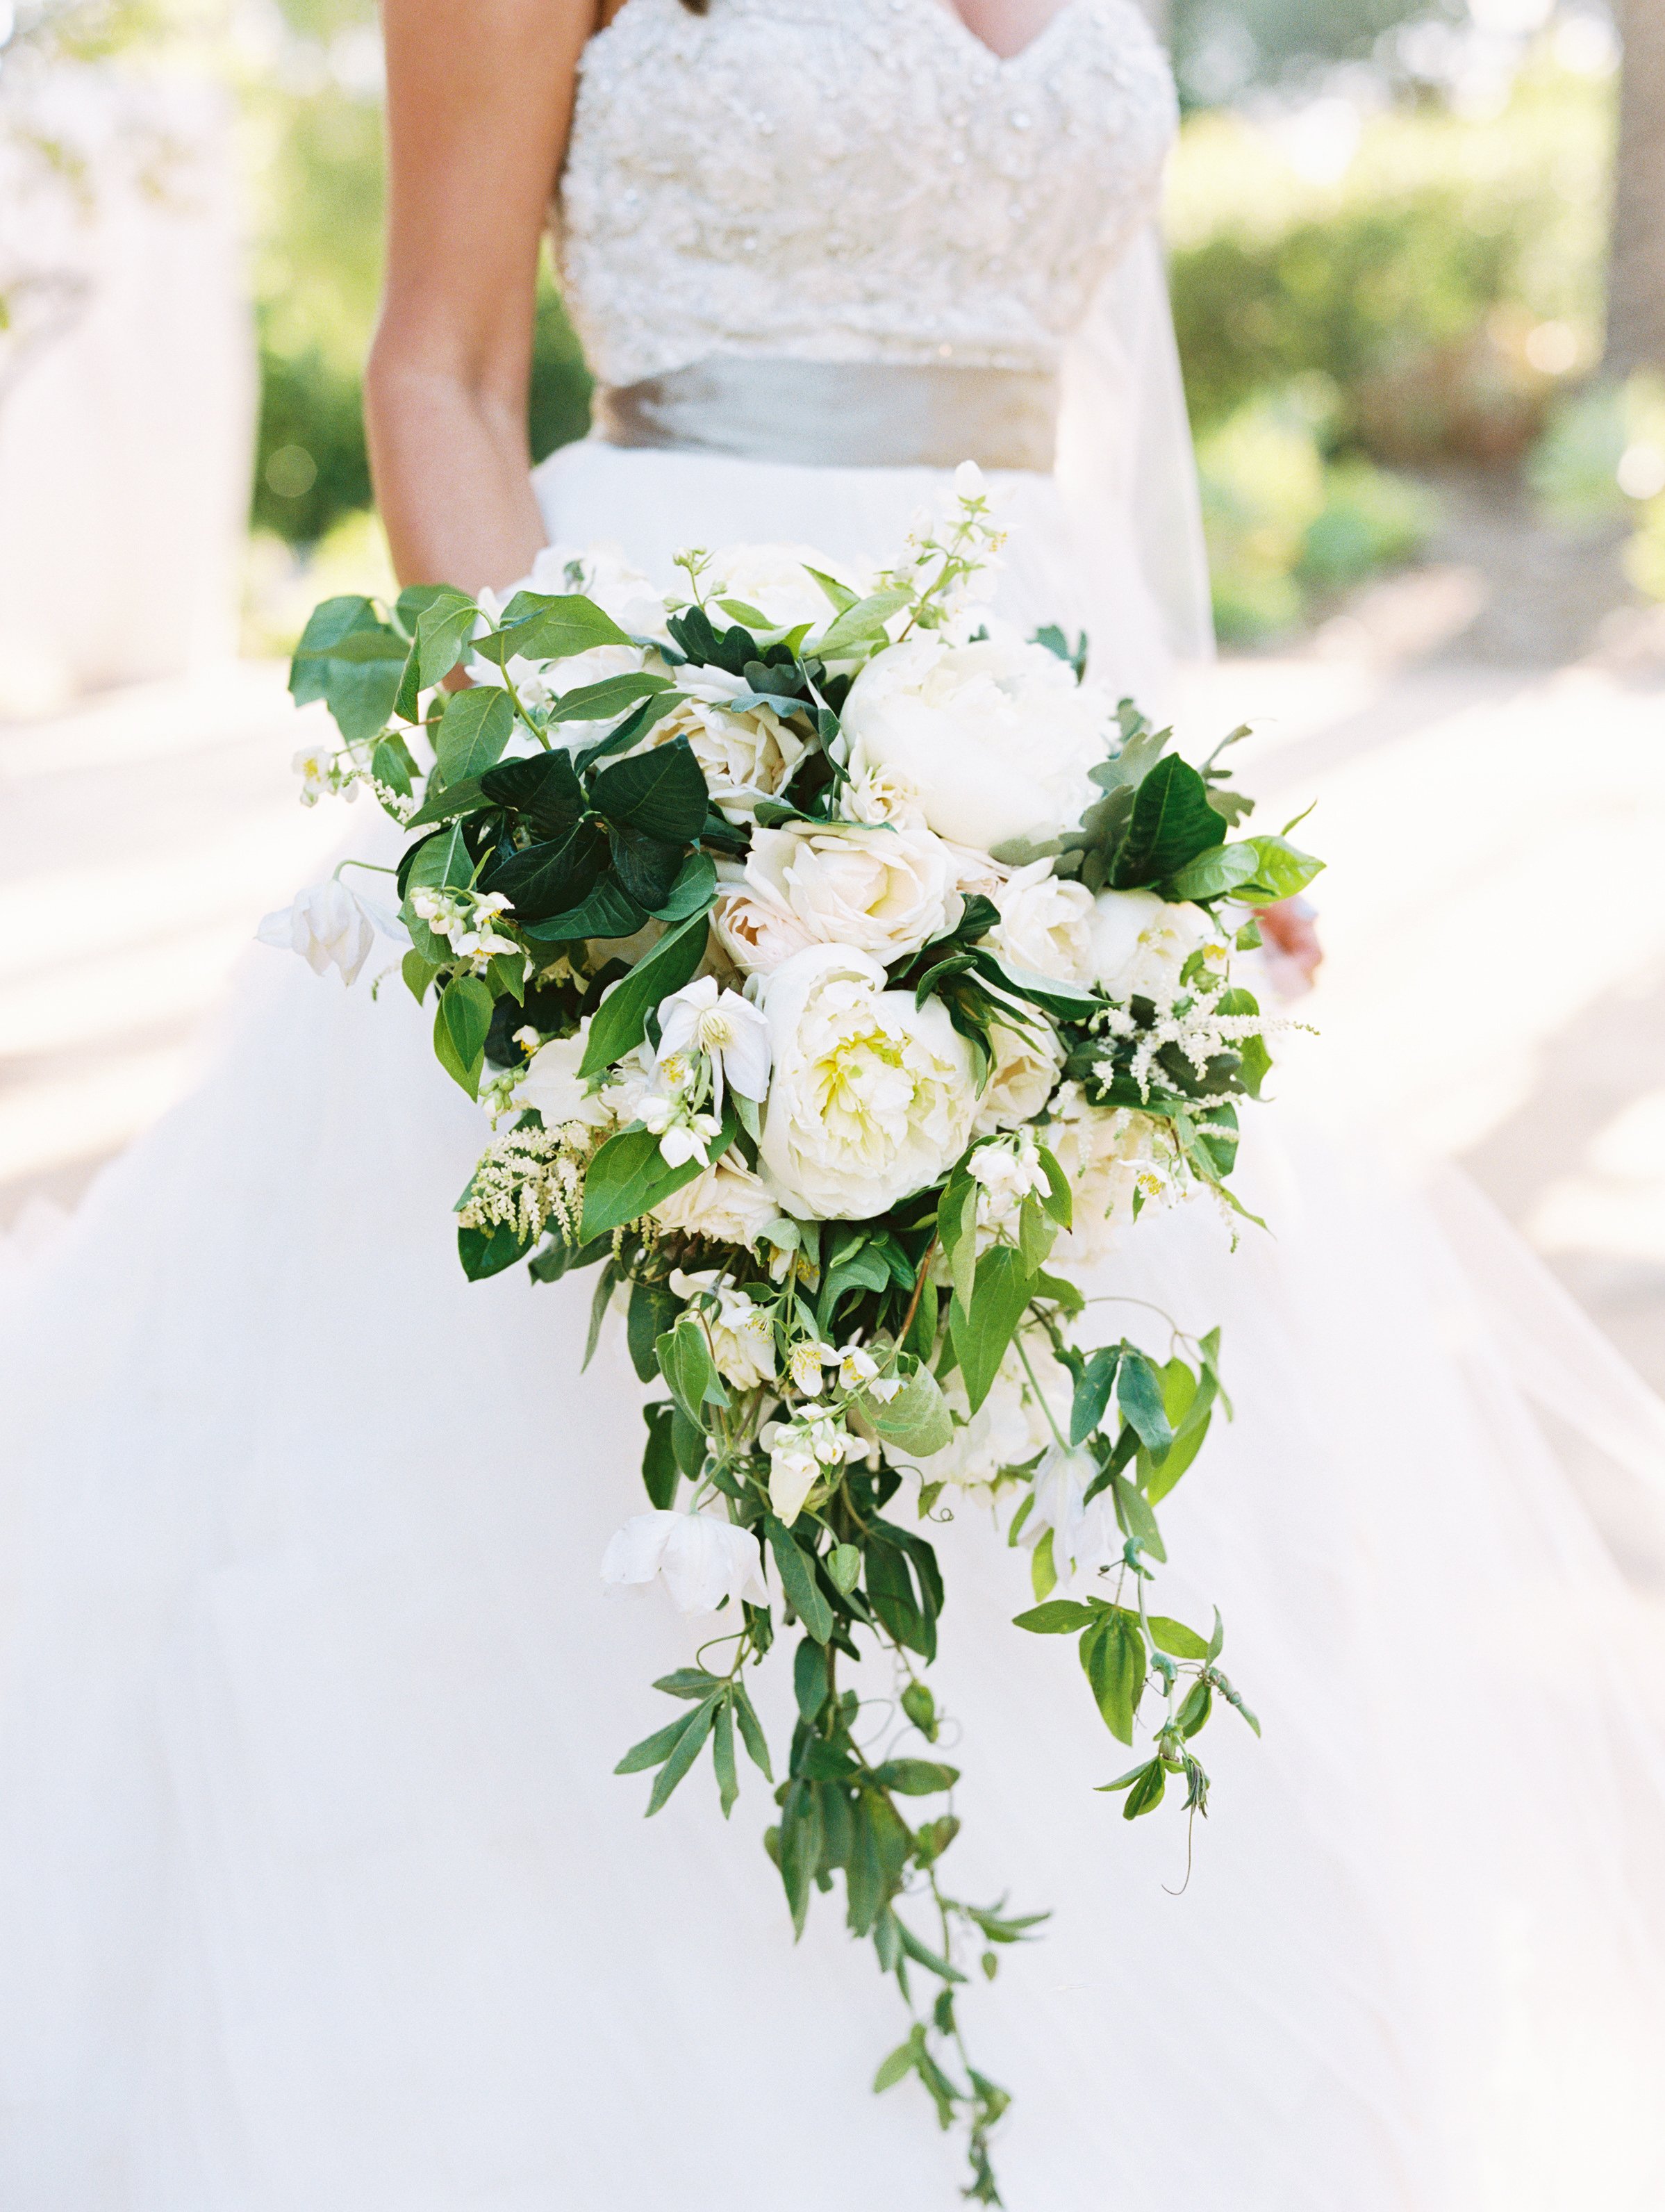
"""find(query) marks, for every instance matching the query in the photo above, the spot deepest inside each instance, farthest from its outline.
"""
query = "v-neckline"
(955, 23)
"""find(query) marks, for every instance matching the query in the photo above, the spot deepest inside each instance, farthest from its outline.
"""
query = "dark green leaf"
(545, 789)
(620, 1021)
(659, 1471)
(752, 1734)
(460, 1023)
(486, 1252)
(648, 868)
(653, 1308)
(1172, 822)
(694, 891)
(1138, 1393)
(798, 1582)
(609, 911)
(551, 877)
(606, 1282)
(722, 1757)
(662, 792)
(685, 1751)
(652, 1750)
(1092, 1392)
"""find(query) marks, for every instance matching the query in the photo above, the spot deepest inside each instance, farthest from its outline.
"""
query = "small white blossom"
(800, 1453)
(315, 766)
(805, 1363)
(1007, 1171)
(683, 1136)
(742, 1334)
(727, 1031)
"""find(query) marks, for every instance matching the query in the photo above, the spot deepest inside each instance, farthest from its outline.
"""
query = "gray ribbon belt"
(832, 414)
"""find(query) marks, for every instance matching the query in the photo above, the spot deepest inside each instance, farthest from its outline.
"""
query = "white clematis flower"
(330, 926)
(702, 1558)
(1084, 1537)
(730, 1032)
(552, 1082)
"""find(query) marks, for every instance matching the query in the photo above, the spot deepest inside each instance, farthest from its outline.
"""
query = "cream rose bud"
(743, 758)
(885, 891)
(1027, 1066)
(1141, 942)
(551, 1082)
(775, 579)
(997, 737)
(702, 1559)
(872, 1096)
(726, 1205)
(1045, 925)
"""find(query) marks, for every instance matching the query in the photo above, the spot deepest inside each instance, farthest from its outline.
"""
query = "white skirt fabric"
(318, 1892)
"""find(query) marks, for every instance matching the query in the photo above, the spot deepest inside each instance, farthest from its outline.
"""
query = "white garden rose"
(1045, 925)
(728, 1204)
(1027, 1065)
(882, 890)
(743, 756)
(998, 737)
(605, 574)
(879, 794)
(1109, 1157)
(775, 580)
(1141, 942)
(872, 1096)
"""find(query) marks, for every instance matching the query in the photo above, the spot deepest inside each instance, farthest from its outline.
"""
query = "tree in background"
(1636, 285)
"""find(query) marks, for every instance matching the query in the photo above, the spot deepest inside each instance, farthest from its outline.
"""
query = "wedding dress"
(317, 1890)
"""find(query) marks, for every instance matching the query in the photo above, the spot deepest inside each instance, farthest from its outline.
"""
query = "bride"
(317, 1894)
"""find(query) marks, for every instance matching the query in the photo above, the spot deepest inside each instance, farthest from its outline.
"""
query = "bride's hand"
(1293, 951)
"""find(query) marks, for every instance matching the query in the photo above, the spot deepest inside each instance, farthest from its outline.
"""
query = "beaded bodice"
(853, 180)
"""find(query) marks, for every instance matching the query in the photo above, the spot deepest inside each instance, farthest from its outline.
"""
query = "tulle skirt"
(318, 1892)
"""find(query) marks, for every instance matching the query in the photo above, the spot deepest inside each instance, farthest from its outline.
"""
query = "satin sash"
(839, 414)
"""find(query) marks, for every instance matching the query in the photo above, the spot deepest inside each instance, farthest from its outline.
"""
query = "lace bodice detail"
(853, 180)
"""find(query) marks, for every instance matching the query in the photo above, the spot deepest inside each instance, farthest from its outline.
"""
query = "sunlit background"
(1419, 274)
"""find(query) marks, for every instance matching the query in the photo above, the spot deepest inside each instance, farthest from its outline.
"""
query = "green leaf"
(685, 1361)
(487, 1252)
(601, 702)
(477, 723)
(1133, 1513)
(653, 1308)
(652, 1750)
(661, 793)
(896, 2067)
(1092, 1392)
(1059, 1200)
(802, 1592)
(1283, 871)
(691, 1682)
(1146, 1793)
(620, 1021)
(917, 1419)
(659, 1471)
(722, 1757)
(1113, 1653)
(1001, 1292)
(551, 629)
(418, 974)
(1174, 1637)
(751, 1733)
(544, 789)
(1138, 1393)
(628, 1177)
(550, 877)
(441, 863)
(443, 629)
(924, 1956)
(914, 1778)
(1213, 874)
(647, 866)
(609, 911)
(844, 1565)
(859, 625)
(607, 1283)
(353, 660)
(1060, 1616)
(694, 890)
(460, 1023)
(1172, 822)
(685, 1751)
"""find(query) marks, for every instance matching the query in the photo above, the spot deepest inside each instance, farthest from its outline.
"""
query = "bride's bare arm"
(479, 97)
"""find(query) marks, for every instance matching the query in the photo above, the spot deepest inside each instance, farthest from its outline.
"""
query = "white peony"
(551, 1082)
(1045, 925)
(703, 1558)
(1140, 943)
(1110, 1156)
(744, 757)
(330, 926)
(872, 1097)
(775, 579)
(998, 737)
(727, 1205)
(882, 890)
(1027, 1065)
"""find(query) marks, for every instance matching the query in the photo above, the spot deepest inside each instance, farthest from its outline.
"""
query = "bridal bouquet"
(842, 973)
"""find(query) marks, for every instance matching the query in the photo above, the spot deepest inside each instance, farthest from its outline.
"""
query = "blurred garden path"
(1471, 1002)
